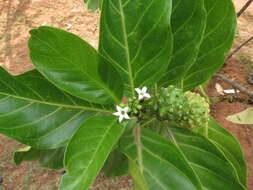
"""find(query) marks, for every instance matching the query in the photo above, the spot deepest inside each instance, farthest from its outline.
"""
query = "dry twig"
(247, 4)
(239, 47)
(235, 85)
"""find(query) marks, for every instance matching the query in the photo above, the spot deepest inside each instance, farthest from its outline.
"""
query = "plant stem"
(202, 91)
(137, 135)
(247, 4)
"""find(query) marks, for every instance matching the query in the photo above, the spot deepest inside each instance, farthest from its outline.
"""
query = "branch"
(240, 47)
(235, 85)
(137, 136)
(247, 4)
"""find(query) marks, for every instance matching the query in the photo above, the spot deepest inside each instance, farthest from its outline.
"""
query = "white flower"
(122, 113)
(142, 93)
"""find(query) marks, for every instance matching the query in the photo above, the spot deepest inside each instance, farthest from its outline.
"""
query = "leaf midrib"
(58, 104)
(122, 16)
(99, 147)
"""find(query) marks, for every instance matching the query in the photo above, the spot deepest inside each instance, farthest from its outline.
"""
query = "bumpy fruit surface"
(188, 109)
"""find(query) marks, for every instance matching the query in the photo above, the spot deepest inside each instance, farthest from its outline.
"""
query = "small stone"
(69, 26)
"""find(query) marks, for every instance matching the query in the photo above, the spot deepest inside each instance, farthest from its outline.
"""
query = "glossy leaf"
(73, 65)
(116, 164)
(212, 167)
(218, 39)
(135, 36)
(36, 113)
(52, 159)
(188, 26)
(230, 147)
(139, 182)
(88, 150)
(164, 167)
(245, 117)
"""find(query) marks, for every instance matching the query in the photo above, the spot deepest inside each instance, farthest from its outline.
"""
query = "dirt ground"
(17, 17)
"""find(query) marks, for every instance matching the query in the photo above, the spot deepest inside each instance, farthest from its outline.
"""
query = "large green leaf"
(73, 65)
(214, 170)
(229, 146)
(88, 149)
(36, 113)
(218, 39)
(52, 159)
(139, 182)
(135, 36)
(164, 166)
(190, 151)
(188, 25)
(116, 164)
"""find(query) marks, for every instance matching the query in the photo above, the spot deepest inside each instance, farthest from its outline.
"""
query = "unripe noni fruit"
(188, 109)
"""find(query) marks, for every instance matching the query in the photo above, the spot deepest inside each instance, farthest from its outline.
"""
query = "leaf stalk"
(137, 135)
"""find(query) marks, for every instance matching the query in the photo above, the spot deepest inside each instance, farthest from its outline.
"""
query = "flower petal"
(138, 90)
(125, 109)
(119, 109)
(147, 95)
(121, 117)
(144, 89)
(140, 97)
(126, 116)
(117, 114)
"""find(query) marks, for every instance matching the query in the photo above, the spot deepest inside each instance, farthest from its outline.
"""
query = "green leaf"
(135, 36)
(212, 167)
(36, 113)
(139, 182)
(73, 65)
(88, 150)
(93, 4)
(116, 164)
(230, 147)
(164, 166)
(245, 117)
(188, 26)
(52, 159)
(218, 39)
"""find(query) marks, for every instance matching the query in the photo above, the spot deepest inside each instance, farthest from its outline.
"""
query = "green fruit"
(200, 108)
(188, 109)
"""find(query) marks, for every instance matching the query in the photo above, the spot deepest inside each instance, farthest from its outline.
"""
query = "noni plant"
(129, 107)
